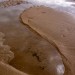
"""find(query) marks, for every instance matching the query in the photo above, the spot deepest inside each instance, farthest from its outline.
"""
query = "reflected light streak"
(60, 69)
(58, 2)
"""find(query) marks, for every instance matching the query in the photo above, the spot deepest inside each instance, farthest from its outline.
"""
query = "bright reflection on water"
(50, 1)
(61, 5)
(60, 69)
(58, 2)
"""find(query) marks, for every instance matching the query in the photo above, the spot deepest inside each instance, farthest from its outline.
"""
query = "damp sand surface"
(11, 26)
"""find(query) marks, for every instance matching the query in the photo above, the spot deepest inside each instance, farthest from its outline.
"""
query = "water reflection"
(58, 2)
(60, 69)
(12, 14)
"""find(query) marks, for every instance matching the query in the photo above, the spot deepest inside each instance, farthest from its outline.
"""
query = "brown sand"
(6, 69)
(32, 53)
(6, 55)
(56, 26)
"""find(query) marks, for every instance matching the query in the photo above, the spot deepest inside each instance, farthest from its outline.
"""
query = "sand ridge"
(56, 26)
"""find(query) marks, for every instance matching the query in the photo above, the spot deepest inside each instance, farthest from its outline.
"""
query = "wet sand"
(56, 26)
(22, 39)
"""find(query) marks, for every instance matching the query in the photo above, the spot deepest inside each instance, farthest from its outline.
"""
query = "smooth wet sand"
(56, 26)
(20, 37)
